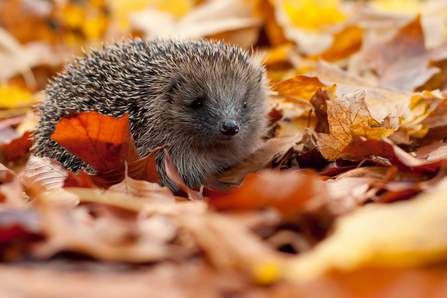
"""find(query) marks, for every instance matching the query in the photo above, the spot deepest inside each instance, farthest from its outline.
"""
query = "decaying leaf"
(403, 62)
(43, 173)
(349, 118)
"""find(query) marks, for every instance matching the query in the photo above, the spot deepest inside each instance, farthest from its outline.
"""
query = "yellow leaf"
(177, 7)
(417, 111)
(95, 27)
(398, 6)
(404, 234)
(301, 87)
(267, 273)
(12, 97)
(313, 14)
(121, 10)
(346, 42)
(74, 16)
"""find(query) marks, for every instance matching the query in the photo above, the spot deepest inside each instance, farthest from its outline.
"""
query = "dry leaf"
(142, 190)
(348, 118)
(43, 173)
(403, 62)
(382, 235)
(101, 141)
(288, 192)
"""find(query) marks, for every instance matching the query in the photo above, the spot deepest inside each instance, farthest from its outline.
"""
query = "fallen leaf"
(43, 173)
(346, 42)
(319, 101)
(348, 118)
(301, 87)
(141, 169)
(273, 148)
(142, 190)
(382, 102)
(17, 147)
(11, 188)
(73, 230)
(288, 192)
(101, 141)
(229, 246)
(381, 235)
(403, 62)
(362, 148)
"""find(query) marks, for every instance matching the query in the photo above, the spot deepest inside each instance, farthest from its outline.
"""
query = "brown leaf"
(142, 190)
(230, 247)
(319, 102)
(11, 188)
(436, 123)
(286, 191)
(362, 148)
(115, 234)
(101, 141)
(381, 101)
(273, 148)
(403, 62)
(43, 173)
(18, 147)
(348, 118)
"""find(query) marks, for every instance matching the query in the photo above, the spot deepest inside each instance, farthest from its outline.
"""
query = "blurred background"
(38, 37)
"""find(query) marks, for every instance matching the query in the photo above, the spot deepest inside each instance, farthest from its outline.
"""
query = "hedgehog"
(207, 100)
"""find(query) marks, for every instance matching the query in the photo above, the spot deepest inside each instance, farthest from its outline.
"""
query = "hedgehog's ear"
(174, 85)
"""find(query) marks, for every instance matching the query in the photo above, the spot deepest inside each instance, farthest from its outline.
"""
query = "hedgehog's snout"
(229, 127)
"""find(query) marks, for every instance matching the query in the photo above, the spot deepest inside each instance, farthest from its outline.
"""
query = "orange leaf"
(142, 169)
(346, 42)
(288, 192)
(301, 87)
(101, 141)
(17, 147)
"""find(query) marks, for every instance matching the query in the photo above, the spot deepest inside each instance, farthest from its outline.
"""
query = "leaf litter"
(343, 199)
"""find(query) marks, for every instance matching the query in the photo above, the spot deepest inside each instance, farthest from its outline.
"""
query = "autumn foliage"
(345, 197)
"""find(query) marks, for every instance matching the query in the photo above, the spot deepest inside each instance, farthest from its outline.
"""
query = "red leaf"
(142, 169)
(101, 141)
(17, 147)
(362, 147)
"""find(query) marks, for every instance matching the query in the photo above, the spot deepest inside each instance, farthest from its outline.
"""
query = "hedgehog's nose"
(229, 127)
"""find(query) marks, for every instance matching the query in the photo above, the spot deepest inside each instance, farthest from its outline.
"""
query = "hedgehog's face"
(217, 109)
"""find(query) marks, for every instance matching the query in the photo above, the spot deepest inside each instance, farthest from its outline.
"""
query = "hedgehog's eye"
(198, 103)
(244, 105)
